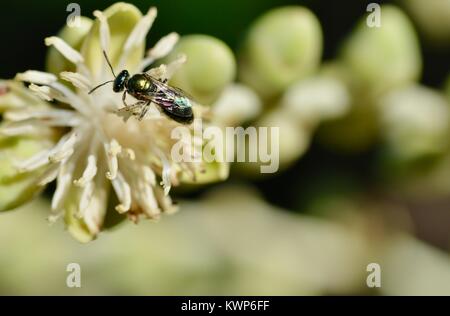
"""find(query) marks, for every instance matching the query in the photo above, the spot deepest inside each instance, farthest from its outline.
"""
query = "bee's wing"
(183, 93)
(161, 99)
(170, 90)
(166, 105)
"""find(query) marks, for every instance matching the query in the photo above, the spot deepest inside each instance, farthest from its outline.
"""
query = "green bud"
(382, 57)
(237, 105)
(432, 18)
(18, 188)
(317, 99)
(210, 67)
(415, 122)
(74, 36)
(282, 46)
(294, 138)
(292, 142)
(402, 251)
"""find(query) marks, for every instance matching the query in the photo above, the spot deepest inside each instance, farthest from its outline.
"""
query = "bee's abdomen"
(181, 115)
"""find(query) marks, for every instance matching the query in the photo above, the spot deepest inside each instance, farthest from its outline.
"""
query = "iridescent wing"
(171, 90)
(184, 94)
(166, 96)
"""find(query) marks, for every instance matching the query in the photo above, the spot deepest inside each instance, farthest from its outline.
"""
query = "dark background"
(25, 24)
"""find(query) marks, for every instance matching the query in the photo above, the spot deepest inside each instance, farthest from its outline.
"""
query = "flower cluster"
(96, 148)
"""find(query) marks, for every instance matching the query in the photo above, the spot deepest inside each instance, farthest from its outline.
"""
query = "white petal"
(105, 35)
(65, 49)
(48, 93)
(69, 97)
(164, 46)
(123, 192)
(85, 198)
(175, 65)
(164, 71)
(37, 77)
(138, 34)
(64, 148)
(129, 153)
(165, 201)
(78, 80)
(34, 162)
(166, 176)
(142, 180)
(64, 181)
(20, 128)
(149, 175)
(148, 200)
(49, 175)
(88, 173)
(157, 72)
(45, 117)
(95, 212)
(112, 150)
(42, 92)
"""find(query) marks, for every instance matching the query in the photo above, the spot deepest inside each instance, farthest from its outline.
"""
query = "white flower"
(98, 147)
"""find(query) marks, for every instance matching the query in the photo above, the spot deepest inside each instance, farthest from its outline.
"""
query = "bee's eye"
(117, 87)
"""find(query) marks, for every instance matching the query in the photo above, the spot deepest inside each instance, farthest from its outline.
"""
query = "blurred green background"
(226, 20)
(312, 228)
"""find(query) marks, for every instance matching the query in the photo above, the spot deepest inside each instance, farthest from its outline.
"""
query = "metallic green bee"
(173, 101)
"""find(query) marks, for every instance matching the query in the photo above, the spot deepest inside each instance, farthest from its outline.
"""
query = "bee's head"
(121, 81)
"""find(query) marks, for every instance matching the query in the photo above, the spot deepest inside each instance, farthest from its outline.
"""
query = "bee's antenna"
(112, 70)
(100, 85)
(109, 63)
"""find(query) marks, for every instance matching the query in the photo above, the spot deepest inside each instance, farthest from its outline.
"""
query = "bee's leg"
(134, 106)
(132, 109)
(124, 96)
(144, 111)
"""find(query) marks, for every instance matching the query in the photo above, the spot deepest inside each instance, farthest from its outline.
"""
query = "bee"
(173, 101)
